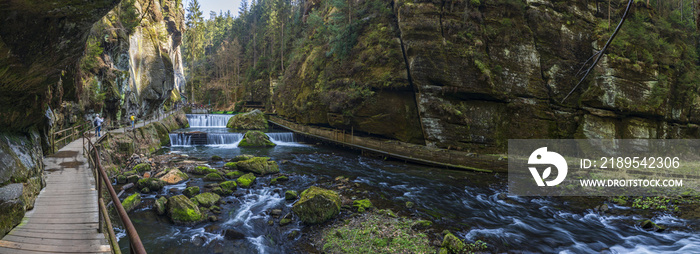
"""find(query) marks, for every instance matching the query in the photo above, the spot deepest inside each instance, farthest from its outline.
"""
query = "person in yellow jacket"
(133, 121)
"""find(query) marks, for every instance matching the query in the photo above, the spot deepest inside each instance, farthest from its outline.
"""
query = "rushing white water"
(207, 120)
(215, 139)
(283, 139)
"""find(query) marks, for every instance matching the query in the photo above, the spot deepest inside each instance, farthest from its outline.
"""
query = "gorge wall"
(62, 60)
(469, 75)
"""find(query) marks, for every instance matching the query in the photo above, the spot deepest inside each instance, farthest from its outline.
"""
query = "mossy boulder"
(362, 205)
(203, 170)
(132, 179)
(259, 165)
(131, 202)
(234, 174)
(452, 243)
(229, 185)
(242, 157)
(174, 176)
(142, 167)
(230, 166)
(130, 172)
(222, 192)
(191, 191)
(254, 120)
(290, 195)
(207, 199)
(153, 184)
(213, 177)
(651, 226)
(216, 158)
(255, 139)
(160, 205)
(317, 205)
(245, 180)
(279, 179)
(183, 211)
(121, 179)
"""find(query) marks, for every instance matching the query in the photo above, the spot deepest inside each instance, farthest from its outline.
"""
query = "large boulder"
(183, 211)
(131, 202)
(259, 165)
(317, 205)
(153, 184)
(246, 180)
(255, 139)
(203, 170)
(174, 176)
(191, 191)
(207, 199)
(254, 120)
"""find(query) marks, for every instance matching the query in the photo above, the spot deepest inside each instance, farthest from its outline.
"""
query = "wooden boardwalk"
(64, 218)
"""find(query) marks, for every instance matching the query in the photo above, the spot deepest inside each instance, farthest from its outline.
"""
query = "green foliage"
(93, 50)
(129, 16)
(375, 233)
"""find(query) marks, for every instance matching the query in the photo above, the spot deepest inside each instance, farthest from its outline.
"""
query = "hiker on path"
(133, 121)
(98, 124)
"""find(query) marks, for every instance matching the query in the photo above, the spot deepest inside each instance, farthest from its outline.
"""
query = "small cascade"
(284, 139)
(207, 120)
(201, 138)
(224, 138)
(180, 139)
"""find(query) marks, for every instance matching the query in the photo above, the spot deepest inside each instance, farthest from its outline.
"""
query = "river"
(466, 203)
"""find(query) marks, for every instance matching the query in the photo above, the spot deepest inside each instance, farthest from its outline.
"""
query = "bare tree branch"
(602, 51)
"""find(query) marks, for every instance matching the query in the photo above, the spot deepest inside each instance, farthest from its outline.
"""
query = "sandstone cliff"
(469, 75)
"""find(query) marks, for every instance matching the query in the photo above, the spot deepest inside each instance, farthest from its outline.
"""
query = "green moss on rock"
(290, 195)
(143, 167)
(213, 177)
(207, 199)
(254, 120)
(452, 243)
(317, 205)
(230, 166)
(131, 172)
(153, 184)
(246, 180)
(191, 191)
(242, 157)
(259, 165)
(202, 170)
(131, 202)
(183, 211)
(229, 185)
(234, 174)
(255, 139)
(161, 205)
(362, 204)
(279, 179)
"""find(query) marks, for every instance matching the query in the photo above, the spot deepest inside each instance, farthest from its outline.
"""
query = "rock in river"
(317, 205)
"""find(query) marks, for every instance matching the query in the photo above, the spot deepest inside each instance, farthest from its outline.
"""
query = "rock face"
(255, 139)
(259, 165)
(39, 72)
(469, 75)
(254, 120)
(21, 169)
(317, 205)
(140, 66)
(183, 211)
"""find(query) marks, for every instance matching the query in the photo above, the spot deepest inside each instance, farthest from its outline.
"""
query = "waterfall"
(283, 139)
(206, 120)
(186, 139)
(180, 139)
(224, 138)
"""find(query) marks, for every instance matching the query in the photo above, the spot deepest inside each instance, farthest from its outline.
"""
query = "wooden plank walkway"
(64, 218)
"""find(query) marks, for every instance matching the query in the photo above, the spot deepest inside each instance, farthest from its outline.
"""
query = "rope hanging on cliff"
(602, 51)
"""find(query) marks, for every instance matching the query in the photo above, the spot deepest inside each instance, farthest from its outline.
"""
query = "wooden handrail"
(101, 177)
